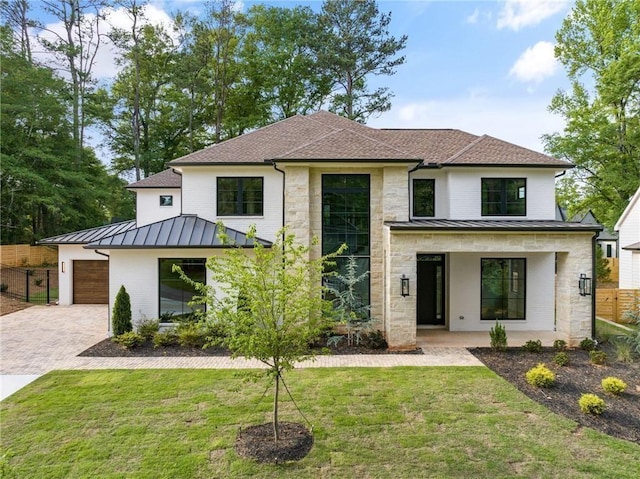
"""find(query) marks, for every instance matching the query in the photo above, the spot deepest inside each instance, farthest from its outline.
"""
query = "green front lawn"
(368, 423)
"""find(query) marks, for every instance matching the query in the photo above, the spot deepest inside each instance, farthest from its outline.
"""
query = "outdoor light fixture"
(62, 267)
(404, 286)
(584, 285)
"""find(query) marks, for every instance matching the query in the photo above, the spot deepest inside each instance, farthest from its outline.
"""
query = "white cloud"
(521, 120)
(535, 64)
(105, 66)
(517, 14)
(473, 18)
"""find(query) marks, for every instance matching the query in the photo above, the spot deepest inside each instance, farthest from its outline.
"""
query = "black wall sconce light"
(584, 285)
(404, 286)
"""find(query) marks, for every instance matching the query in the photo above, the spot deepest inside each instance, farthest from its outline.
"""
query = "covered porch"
(442, 338)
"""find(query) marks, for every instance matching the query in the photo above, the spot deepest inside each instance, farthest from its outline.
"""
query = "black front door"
(430, 290)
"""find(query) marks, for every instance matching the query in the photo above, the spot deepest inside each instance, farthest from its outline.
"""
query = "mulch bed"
(107, 348)
(257, 443)
(621, 418)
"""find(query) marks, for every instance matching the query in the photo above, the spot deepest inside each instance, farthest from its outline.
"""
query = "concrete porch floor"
(429, 338)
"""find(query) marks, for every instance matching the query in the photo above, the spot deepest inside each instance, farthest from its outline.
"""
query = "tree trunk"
(276, 431)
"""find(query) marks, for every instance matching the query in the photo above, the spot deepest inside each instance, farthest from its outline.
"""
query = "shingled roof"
(325, 136)
(165, 179)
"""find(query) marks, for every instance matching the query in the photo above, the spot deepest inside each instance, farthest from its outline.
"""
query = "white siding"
(199, 197)
(148, 209)
(66, 255)
(464, 293)
(465, 198)
(138, 272)
(628, 234)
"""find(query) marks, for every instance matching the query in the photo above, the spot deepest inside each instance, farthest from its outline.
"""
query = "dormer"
(158, 197)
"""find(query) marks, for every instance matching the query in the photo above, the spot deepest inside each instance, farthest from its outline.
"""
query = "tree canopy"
(599, 45)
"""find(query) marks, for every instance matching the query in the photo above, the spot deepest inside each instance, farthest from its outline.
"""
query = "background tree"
(355, 45)
(268, 303)
(598, 44)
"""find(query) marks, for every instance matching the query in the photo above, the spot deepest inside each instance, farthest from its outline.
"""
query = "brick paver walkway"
(43, 338)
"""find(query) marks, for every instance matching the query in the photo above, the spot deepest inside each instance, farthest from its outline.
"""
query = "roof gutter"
(284, 176)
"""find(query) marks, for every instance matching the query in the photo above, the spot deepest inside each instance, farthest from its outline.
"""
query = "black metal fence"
(34, 285)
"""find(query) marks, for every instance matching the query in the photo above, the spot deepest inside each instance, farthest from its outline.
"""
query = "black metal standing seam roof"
(491, 225)
(185, 231)
(89, 235)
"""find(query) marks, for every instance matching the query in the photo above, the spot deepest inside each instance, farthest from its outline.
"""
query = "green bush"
(591, 404)
(613, 385)
(587, 344)
(374, 340)
(540, 376)
(121, 316)
(560, 345)
(498, 335)
(129, 340)
(561, 358)
(598, 357)
(147, 328)
(166, 338)
(624, 350)
(533, 346)
(190, 335)
(3, 287)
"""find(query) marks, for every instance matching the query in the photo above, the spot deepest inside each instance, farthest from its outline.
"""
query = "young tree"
(598, 44)
(356, 44)
(268, 302)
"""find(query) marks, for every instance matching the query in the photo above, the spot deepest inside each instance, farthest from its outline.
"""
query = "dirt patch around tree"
(257, 443)
(621, 418)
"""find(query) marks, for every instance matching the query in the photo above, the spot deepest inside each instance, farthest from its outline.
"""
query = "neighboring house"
(628, 228)
(467, 222)
(607, 240)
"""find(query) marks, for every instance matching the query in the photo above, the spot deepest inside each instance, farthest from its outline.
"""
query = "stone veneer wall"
(573, 312)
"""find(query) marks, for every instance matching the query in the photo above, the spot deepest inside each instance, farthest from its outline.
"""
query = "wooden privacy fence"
(27, 255)
(613, 303)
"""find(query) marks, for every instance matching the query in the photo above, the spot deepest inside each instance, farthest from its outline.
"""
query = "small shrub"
(374, 340)
(3, 287)
(591, 404)
(533, 346)
(540, 376)
(498, 335)
(588, 344)
(624, 350)
(129, 340)
(633, 338)
(166, 338)
(560, 345)
(598, 357)
(190, 335)
(561, 358)
(613, 385)
(214, 333)
(37, 282)
(121, 316)
(147, 328)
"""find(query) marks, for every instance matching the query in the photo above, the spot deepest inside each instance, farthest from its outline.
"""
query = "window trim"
(413, 197)
(167, 205)
(503, 203)
(239, 201)
(510, 286)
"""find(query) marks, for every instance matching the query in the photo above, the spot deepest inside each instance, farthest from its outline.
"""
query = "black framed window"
(424, 197)
(175, 293)
(504, 197)
(346, 218)
(166, 200)
(240, 196)
(503, 288)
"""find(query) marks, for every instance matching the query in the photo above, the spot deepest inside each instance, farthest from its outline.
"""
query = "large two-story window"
(503, 288)
(240, 196)
(346, 218)
(424, 197)
(175, 293)
(504, 197)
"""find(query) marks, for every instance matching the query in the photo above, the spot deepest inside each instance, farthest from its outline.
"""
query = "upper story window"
(504, 197)
(166, 200)
(424, 197)
(240, 196)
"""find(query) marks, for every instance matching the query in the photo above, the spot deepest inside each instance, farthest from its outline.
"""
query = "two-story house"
(456, 230)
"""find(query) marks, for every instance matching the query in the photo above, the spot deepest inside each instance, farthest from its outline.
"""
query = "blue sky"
(485, 67)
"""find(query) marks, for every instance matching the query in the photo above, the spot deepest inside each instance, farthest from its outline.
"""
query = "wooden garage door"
(90, 282)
